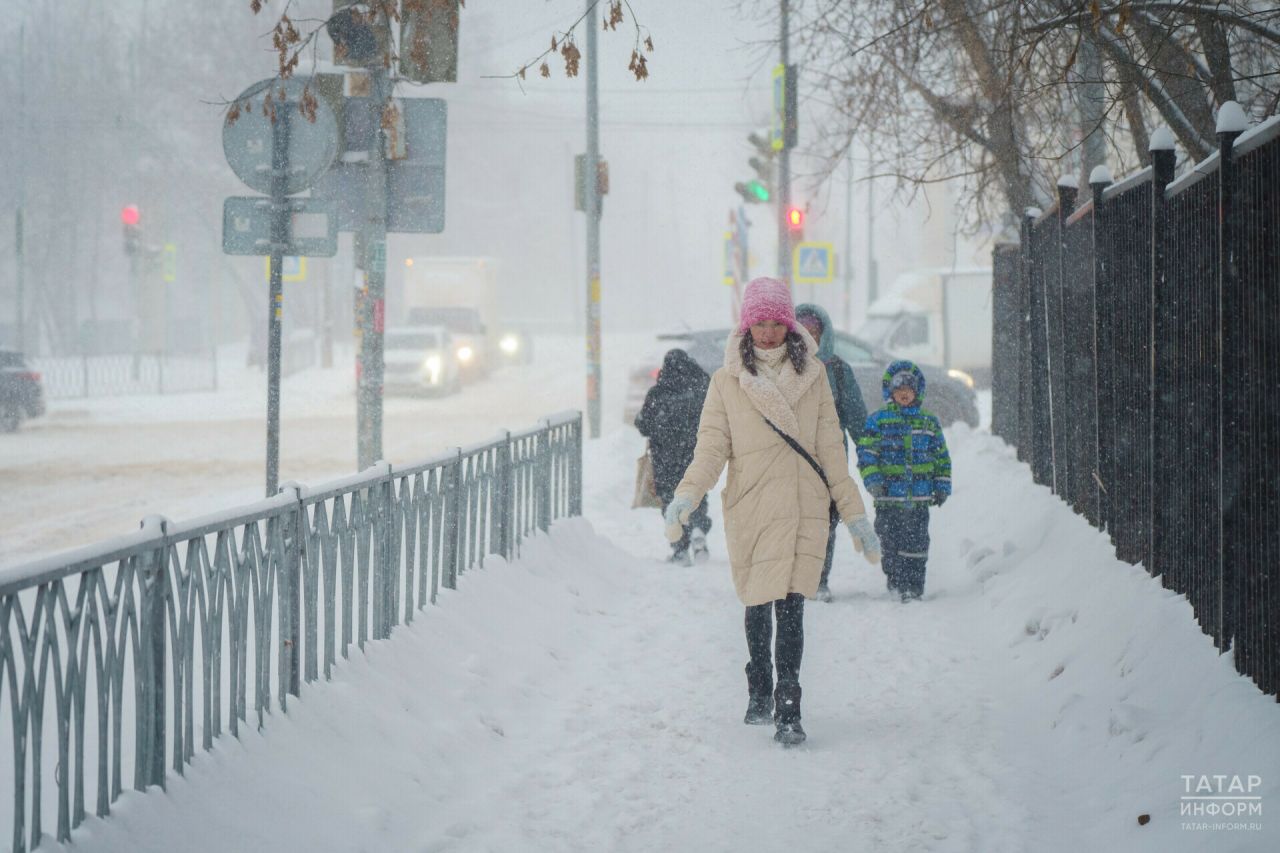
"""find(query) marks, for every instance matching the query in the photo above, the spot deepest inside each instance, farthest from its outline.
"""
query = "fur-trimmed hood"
(776, 400)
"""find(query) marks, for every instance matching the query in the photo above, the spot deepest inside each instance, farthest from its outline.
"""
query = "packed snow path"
(589, 697)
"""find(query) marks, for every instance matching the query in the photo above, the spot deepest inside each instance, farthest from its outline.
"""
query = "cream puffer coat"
(776, 508)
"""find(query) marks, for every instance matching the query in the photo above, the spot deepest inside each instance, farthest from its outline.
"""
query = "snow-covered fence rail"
(167, 636)
(66, 377)
(1141, 380)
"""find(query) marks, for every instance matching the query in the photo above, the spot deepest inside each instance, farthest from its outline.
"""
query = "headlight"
(465, 354)
(961, 376)
(510, 344)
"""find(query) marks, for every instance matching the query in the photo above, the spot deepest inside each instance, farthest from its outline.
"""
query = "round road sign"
(313, 146)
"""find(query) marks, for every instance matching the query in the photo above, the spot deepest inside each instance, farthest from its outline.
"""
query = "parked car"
(952, 400)
(420, 359)
(21, 391)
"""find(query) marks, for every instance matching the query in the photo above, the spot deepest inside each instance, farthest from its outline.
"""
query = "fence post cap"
(292, 486)
(1069, 182)
(156, 525)
(1033, 212)
(1161, 140)
(1100, 175)
(1231, 118)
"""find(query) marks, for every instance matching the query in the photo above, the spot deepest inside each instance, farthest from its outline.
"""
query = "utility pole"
(784, 158)
(848, 244)
(371, 251)
(592, 198)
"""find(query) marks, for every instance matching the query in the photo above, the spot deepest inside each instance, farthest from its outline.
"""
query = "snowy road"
(93, 468)
(589, 698)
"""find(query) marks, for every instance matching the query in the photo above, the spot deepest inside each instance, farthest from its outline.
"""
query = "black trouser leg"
(759, 625)
(700, 518)
(789, 649)
(790, 641)
(904, 543)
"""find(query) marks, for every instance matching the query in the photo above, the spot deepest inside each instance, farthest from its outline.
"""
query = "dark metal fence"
(66, 377)
(1136, 369)
(169, 635)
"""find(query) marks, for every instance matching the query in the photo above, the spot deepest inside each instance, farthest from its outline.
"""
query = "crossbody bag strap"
(795, 445)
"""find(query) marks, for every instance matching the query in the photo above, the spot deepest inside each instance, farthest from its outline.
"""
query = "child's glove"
(865, 539)
(876, 491)
(676, 515)
(939, 498)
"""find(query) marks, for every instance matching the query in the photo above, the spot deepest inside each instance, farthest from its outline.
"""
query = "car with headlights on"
(420, 359)
(950, 397)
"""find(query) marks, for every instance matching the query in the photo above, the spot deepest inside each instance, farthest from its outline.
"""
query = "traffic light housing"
(361, 34)
(758, 190)
(795, 224)
(132, 221)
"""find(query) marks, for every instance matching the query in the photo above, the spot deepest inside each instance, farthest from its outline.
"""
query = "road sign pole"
(373, 313)
(280, 211)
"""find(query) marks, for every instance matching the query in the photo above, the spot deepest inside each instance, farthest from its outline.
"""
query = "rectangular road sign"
(813, 263)
(246, 227)
(415, 184)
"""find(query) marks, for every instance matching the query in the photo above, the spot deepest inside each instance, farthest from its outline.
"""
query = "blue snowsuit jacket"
(903, 449)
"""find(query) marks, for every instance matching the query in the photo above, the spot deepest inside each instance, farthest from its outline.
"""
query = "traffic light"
(758, 190)
(132, 221)
(795, 224)
(361, 36)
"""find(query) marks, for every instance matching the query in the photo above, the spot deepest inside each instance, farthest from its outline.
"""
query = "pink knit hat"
(767, 299)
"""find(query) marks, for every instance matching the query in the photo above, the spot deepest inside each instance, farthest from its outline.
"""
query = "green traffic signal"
(759, 190)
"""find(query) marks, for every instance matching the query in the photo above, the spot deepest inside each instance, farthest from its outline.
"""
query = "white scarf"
(776, 387)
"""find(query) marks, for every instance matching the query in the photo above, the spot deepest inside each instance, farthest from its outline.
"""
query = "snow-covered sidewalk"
(589, 697)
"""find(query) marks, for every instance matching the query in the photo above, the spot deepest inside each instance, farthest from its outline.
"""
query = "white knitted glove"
(865, 539)
(676, 515)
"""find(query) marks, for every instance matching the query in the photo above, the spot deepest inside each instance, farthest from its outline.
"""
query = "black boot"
(760, 695)
(787, 714)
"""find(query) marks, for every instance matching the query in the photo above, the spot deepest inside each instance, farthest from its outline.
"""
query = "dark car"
(951, 400)
(21, 394)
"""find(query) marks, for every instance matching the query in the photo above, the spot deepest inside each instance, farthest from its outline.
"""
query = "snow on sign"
(813, 263)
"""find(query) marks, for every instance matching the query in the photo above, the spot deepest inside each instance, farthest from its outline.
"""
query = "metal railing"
(72, 376)
(173, 634)
(1141, 380)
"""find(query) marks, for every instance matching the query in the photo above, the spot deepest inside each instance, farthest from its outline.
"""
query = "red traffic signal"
(795, 218)
(129, 214)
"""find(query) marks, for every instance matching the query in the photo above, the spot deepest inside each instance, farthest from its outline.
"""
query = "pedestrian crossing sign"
(813, 263)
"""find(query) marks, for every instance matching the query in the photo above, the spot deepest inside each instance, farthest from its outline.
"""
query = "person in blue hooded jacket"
(905, 466)
(849, 406)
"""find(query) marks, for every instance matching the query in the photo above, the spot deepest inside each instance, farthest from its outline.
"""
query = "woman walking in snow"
(849, 406)
(770, 416)
(669, 419)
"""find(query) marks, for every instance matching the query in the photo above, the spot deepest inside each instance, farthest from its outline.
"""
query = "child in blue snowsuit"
(906, 467)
